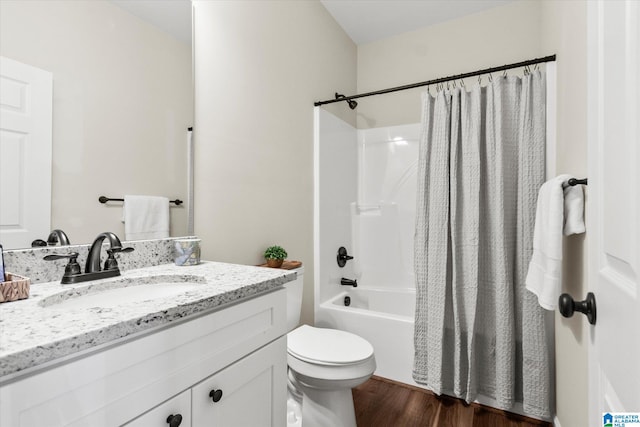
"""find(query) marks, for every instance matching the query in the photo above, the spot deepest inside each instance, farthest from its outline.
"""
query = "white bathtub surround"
(478, 178)
(385, 209)
(34, 332)
(363, 179)
(336, 159)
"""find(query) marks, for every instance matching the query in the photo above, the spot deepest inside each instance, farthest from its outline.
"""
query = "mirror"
(122, 104)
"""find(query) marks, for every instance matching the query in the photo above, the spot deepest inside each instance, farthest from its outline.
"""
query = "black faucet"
(58, 236)
(55, 237)
(115, 246)
(92, 271)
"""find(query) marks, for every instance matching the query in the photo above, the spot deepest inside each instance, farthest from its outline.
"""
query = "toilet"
(323, 366)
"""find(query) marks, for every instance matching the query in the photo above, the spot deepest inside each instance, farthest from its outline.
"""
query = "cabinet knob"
(215, 395)
(174, 420)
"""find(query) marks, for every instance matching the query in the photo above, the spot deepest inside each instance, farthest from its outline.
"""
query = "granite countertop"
(34, 331)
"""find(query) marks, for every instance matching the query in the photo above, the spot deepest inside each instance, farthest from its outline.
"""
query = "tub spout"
(349, 282)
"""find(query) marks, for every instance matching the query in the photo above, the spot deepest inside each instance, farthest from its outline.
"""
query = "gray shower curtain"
(477, 330)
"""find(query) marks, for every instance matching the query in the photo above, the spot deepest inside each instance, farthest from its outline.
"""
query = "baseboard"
(556, 422)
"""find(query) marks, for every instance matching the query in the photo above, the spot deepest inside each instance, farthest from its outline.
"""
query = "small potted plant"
(275, 256)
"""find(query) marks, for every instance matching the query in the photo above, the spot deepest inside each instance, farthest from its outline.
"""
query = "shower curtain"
(481, 163)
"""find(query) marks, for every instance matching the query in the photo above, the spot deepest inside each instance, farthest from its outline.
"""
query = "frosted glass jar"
(186, 251)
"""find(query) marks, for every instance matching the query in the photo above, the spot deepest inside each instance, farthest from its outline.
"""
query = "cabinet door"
(250, 393)
(174, 412)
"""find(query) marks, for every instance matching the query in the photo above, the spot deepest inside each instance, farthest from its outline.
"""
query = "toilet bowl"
(323, 366)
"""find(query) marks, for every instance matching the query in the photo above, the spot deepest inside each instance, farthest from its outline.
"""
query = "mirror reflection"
(122, 103)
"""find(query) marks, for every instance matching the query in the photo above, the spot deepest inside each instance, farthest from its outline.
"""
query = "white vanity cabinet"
(245, 394)
(240, 349)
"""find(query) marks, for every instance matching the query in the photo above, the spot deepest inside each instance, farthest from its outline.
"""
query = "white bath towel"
(145, 217)
(559, 211)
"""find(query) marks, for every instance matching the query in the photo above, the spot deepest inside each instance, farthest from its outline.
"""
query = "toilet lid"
(327, 346)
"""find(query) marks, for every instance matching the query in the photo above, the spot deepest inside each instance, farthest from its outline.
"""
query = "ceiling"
(364, 21)
(172, 16)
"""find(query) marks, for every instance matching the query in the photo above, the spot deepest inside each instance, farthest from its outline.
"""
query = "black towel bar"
(574, 181)
(103, 199)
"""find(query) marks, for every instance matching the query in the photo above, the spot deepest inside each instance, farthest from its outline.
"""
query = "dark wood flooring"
(380, 402)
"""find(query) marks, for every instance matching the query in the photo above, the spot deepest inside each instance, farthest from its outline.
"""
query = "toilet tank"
(294, 299)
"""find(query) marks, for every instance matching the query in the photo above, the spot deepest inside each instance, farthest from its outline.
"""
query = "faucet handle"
(71, 255)
(111, 263)
(72, 267)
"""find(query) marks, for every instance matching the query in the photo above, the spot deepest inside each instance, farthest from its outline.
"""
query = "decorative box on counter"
(14, 287)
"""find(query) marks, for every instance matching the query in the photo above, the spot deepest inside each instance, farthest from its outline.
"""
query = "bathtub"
(383, 317)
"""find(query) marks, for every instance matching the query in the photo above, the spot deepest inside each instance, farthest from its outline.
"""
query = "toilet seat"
(328, 347)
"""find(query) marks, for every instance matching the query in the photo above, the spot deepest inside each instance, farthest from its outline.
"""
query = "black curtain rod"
(549, 58)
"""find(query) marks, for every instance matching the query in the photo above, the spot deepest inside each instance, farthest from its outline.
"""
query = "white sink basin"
(123, 291)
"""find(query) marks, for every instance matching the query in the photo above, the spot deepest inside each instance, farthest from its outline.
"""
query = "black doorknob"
(215, 395)
(174, 420)
(568, 306)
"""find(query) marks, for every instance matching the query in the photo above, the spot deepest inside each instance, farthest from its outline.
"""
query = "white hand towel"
(573, 210)
(145, 217)
(545, 268)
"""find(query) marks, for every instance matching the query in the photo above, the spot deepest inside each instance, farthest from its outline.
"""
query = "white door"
(613, 206)
(25, 153)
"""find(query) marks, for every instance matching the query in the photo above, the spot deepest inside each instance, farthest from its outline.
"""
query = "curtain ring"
(490, 78)
(536, 67)
(480, 80)
(504, 74)
(462, 83)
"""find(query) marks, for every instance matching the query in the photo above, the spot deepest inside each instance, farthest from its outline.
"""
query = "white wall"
(493, 37)
(259, 66)
(122, 101)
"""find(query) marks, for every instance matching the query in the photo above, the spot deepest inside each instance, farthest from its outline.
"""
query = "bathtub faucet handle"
(342, 256)
(349, 282)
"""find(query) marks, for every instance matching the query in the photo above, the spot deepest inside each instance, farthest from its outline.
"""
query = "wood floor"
(384, 403)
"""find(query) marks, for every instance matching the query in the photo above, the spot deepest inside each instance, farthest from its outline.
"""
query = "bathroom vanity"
(213, 354)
